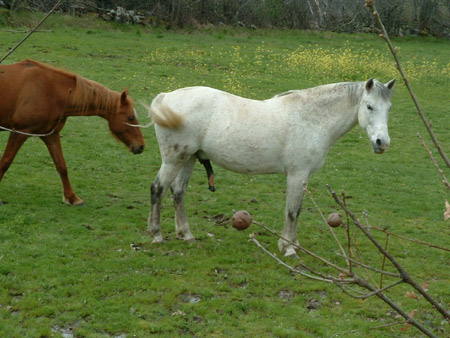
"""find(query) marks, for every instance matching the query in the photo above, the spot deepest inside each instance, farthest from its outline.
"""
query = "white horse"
(290, 133)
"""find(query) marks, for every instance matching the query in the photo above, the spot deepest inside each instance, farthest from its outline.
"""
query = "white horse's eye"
(369, 107)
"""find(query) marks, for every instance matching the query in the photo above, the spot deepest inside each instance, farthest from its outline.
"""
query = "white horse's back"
(238, 134)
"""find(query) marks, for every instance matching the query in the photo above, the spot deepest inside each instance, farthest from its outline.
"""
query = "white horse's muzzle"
(380, 145)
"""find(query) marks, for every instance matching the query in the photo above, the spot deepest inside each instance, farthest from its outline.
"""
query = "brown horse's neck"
(90, 99)
(90, 110)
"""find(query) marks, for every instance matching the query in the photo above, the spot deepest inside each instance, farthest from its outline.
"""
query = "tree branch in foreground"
(405, 276)
(444, 179)
(345, 277)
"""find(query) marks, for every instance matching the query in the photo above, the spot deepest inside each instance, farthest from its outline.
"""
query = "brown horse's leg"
(15, 141)
(53, 144)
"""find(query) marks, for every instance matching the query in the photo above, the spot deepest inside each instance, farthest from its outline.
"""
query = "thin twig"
(323, 260)
(36, 31)
(325, 220)
(371, 328)
(410, 239)
(347, 233)
(357, 251)
(370, 294)
(31, 31)
(254, 240)
(383, 289)
(387, 273)
(384, 260)
(444, 179)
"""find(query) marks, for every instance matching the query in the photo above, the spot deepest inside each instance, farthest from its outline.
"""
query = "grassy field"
(92, 271)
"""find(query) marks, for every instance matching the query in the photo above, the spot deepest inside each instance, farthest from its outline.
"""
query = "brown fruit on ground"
(241, 220)
(334, 220)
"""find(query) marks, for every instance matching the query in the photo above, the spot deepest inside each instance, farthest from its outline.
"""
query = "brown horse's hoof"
(77, 202)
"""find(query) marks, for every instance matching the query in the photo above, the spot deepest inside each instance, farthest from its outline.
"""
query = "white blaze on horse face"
(136, 118)
(374, 113)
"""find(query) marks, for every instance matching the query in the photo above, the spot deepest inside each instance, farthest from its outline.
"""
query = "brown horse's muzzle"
(137, 150)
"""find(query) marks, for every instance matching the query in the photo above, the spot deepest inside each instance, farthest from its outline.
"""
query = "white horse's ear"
(369, 84)
(390, 84)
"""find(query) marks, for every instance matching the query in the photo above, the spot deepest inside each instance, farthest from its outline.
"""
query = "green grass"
(63, 267)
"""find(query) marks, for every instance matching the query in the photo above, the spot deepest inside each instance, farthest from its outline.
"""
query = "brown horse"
(36, 99)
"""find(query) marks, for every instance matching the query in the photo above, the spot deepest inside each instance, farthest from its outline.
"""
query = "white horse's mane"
(354, 90)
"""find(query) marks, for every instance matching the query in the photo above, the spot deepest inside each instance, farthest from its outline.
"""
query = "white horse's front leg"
(294, 197)
(178, 188)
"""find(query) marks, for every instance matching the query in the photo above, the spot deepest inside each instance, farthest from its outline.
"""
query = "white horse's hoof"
(290, 252)
(158, 239)
(293, 255)
(189, 238)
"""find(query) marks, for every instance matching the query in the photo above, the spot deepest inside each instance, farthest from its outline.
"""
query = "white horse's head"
(374, 112)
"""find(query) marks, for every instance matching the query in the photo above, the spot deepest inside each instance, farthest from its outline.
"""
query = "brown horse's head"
(123, 124)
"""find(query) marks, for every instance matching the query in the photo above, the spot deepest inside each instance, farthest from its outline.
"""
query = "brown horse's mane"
(87, 93)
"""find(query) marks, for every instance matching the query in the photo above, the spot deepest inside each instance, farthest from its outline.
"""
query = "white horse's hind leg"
(165, 177)
(294, 197)
(178, 188)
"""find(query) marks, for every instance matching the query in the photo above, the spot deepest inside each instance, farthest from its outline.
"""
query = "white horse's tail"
(165, 117)
(162, 115)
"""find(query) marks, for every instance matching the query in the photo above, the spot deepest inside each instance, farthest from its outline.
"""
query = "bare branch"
(254, 240)
(370, 268)
(372, 328)
(325, 220)
(444, 179)
(410, 239)
(16, 31)
(367, 295)
(323, 260)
